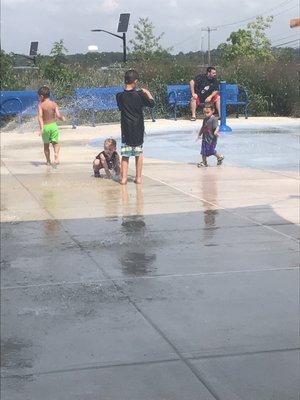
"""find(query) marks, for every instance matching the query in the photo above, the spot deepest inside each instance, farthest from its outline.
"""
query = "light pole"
(122, 28)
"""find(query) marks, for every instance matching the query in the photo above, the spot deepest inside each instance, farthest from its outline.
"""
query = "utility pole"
(202, 50)
(208, 30)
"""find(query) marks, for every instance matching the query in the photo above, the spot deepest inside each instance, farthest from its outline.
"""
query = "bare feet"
(138, 181)
(123, 182)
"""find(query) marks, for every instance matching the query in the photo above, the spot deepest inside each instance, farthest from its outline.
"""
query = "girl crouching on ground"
(108, 160)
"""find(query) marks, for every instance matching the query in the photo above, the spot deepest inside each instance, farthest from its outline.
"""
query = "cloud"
(72, 20)
(14, 4)
(173, 3)
(107, 6)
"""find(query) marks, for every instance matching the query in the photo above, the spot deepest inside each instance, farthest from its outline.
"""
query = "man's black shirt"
(131, 104)
(205, 86)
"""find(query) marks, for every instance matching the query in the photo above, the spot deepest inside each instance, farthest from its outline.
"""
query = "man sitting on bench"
(205, 89)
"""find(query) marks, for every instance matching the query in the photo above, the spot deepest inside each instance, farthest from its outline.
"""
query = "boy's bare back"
(48, 109)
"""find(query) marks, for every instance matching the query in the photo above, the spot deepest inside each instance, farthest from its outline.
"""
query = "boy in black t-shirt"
(131, 103)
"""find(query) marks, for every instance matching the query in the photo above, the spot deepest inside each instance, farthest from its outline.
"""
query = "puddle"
(276, 149)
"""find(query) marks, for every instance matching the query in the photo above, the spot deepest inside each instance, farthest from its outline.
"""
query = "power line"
(185, 40)
(253, 17)
(244, 20)
(291, 41)
(285, 37)
(284, 11)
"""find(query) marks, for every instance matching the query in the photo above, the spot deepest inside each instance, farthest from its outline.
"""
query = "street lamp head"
(122, 28)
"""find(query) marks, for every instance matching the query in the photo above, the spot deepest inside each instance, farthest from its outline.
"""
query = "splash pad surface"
(190, 280)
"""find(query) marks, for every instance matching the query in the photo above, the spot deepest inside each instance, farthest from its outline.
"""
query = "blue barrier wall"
(15, 102)
(97, 99)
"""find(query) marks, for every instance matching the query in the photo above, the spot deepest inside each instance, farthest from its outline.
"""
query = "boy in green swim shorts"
(48, 114)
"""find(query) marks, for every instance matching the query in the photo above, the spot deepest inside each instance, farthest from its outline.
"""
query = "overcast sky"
(23, 21)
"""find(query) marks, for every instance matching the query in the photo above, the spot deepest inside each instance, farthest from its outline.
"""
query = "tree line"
(246, 57)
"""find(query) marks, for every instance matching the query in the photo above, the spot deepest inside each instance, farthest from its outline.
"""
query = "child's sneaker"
(220, 160)
(97, 174)
(202, 164)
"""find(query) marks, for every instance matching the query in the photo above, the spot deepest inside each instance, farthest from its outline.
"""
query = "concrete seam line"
(222, 208)
(130, 301)
(137, 363)
(247, 353)
(187, 362)
(91, 367)
(137, 278)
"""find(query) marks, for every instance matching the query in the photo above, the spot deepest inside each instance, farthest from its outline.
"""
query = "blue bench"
(96, 99)
(23, 103)
(237, 96)
(18, 103)
(179, 96)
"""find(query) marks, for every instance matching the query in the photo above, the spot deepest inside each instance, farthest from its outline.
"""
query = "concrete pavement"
(186, 287)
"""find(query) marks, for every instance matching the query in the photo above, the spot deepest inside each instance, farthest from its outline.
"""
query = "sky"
(23, 21)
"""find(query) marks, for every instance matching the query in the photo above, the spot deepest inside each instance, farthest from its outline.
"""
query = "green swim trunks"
(50, 133)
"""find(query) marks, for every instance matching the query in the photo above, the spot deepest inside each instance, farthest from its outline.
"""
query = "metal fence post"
(224, 128)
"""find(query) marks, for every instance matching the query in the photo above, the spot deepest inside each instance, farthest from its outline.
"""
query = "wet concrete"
(184, 288)
(272, 148)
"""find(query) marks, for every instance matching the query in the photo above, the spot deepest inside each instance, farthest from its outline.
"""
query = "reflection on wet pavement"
(16, 353)
(138, 261)
(190, 280)
(209, 192)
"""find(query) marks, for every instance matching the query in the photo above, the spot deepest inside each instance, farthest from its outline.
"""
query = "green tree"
(57, 71)
(145, 43)
(54, 69)
(251, 43)
(58, 49)
(8, 78)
